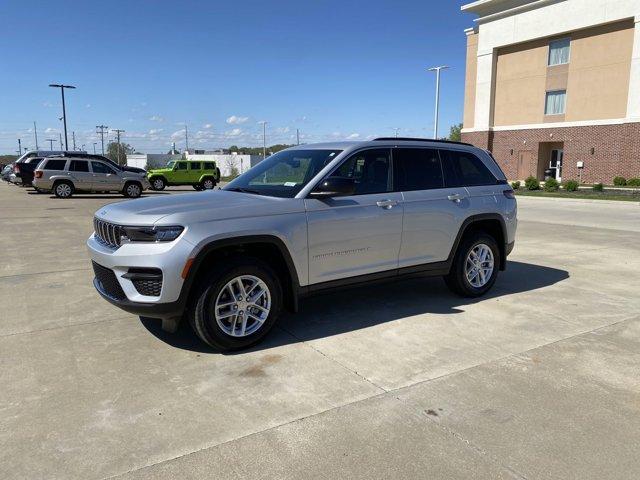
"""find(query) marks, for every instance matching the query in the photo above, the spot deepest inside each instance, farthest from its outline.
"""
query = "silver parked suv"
(306, 219)
(65, 175)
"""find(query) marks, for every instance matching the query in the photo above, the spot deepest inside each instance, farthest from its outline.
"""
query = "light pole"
(64, 110)
(396, 129)
(94, 147)
(437, 70)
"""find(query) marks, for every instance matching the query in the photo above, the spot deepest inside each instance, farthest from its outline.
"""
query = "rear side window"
(416, 169)
(464, 169)
(55, 165)
(79, 166)
(195, 166)
(209, 165)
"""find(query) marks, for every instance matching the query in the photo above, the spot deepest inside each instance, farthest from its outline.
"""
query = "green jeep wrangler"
(199, 174)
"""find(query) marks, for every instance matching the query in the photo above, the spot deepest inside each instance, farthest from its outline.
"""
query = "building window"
(555, 102)
(559, 51)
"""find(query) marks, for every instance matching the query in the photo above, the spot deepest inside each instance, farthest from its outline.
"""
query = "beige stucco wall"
(599, 71)
(596, 79)
(470, 80)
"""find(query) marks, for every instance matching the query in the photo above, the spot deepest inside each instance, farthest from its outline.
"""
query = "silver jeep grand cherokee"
(306, 219)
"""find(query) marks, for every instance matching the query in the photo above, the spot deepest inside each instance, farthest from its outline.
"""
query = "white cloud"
(234, 133)
(353, 136)
(88, 105)
(283, 130)
(234, 120)
(156, 118)
(155, 131)
(177, 135)
(207, 126)
(51, 130)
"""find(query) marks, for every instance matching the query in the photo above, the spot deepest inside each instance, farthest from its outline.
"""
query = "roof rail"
(390, 139)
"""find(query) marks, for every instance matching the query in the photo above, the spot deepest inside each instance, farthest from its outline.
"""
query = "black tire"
(457, 280)
(132, 189)
(208, 183)
(158, 183)
(201, 315)
(197, 187)
(63, 189)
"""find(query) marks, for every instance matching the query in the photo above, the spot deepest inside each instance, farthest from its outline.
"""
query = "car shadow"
(99, 196)
(355, 308)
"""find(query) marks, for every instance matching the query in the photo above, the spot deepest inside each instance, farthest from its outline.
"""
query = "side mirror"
(334, 187)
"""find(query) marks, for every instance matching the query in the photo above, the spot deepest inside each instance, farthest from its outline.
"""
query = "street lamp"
(94, 147)
(264, 139)
(64, 111)
(437, 70)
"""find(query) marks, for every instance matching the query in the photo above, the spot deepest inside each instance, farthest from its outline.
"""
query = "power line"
(101, 132)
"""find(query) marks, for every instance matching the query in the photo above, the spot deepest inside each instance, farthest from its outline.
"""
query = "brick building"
(555, 85)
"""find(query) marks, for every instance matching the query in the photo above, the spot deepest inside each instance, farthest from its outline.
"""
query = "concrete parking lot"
(539, 380)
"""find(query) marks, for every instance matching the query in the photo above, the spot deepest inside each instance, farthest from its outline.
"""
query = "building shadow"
(355, 308)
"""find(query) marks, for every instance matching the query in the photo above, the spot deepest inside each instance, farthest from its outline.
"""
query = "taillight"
(38, 174)
(509, 193)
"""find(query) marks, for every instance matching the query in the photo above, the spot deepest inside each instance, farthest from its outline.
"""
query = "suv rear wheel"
(63, 189)
(475, 265)
(236, 304)
(158, 183)
(132, 190)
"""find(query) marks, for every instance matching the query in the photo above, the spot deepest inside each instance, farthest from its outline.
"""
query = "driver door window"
(370, 169)
(104, 176)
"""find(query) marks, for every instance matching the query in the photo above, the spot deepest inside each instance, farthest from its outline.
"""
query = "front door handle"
(387, 204)
(455, 197)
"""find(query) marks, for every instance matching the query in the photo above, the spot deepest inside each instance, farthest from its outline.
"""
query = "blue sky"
(333, 69)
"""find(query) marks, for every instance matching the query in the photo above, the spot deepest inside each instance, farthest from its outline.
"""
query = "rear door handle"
(455, 197)
(387, 204)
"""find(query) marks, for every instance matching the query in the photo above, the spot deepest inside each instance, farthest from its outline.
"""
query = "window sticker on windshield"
(290, 184)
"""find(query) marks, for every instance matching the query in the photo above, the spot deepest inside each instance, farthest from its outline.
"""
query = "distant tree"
(233, 148)
(455, 133)
(118, 152)
(232, 166)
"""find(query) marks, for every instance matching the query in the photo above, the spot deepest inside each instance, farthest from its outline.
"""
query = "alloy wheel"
(208, 184)
(133, 190)
(63, 190)
(242, 306)
(479, 265)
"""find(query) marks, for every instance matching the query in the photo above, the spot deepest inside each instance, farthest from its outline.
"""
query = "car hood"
(159, 170)
(195, 207)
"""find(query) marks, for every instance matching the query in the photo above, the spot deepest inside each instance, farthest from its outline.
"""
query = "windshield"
(283, 174)
(171, 164)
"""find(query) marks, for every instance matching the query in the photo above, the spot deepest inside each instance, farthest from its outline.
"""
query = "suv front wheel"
(158, 183)
(475, 265)
(236, 304)
(132, 190)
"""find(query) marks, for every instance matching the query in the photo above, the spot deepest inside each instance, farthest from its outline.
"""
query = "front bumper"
(169, 258)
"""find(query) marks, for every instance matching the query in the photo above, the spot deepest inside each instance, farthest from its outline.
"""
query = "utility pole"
(396, 129)
(61, 142)
(35, 132)
(298, 136)
(64, 110)
(19, 147)
(94, 147)
(82, 147)
(101, 132)
(50, 140)
(118, 132)
(186, 137)
(264, 139)
(73, 135)
(437, 70)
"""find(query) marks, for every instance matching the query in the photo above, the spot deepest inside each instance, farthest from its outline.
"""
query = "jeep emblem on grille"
(103, 212)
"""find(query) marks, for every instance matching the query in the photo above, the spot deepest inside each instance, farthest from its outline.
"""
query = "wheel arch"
(271, 249)
(491, 223)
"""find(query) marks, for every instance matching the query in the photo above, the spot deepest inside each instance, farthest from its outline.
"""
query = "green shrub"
(598, 187)
(633, 182)
(515, 185)
(532, 183)
(570, 185)
(551, 185)
(619, 181)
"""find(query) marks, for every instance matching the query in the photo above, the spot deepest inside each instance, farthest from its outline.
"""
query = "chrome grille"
(107, 233)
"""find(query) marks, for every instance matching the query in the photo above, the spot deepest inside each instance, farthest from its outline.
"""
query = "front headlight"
(150, 234)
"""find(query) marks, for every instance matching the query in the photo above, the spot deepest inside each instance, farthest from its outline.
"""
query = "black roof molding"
(409, 139)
